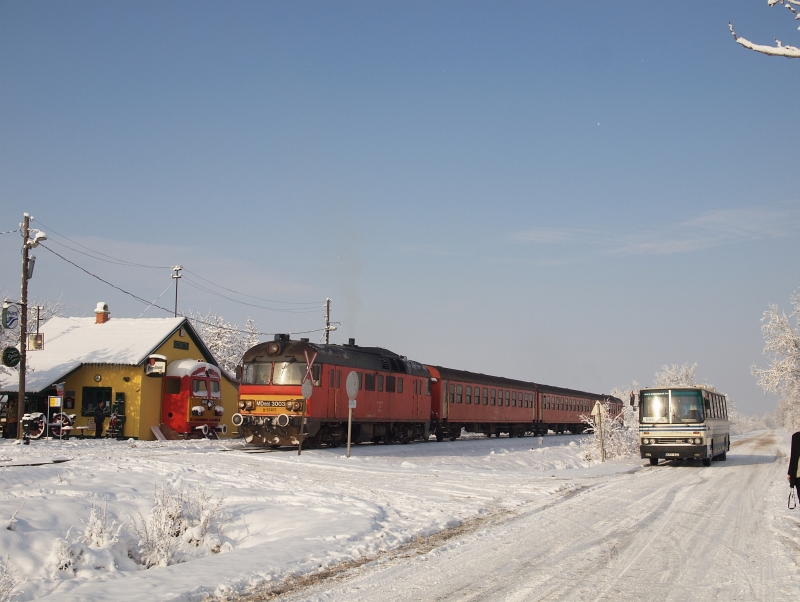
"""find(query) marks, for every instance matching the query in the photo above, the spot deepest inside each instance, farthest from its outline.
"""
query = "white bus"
(683, 422)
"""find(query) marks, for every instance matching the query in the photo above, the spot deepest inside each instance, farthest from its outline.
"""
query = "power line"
(251, 296)
(10, 231)
(146, 302)
(115, 260)
(278, 309)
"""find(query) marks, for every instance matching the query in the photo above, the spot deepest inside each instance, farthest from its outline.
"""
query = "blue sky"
(569, 193)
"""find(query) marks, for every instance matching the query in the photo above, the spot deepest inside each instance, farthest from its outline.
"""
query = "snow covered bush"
(176, 522)
(8, 581)
(782, 345)
(620, 440)
(100, 548)
(226, 341)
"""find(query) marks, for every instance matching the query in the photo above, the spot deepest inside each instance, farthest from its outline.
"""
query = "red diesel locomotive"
(398, 399)
(191, 398)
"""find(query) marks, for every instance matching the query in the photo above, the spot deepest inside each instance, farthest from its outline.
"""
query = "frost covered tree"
(676, 376)
(789, 52)
(226, 341)
(782, 346)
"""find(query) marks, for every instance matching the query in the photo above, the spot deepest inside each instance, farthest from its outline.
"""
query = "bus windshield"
(686, 406)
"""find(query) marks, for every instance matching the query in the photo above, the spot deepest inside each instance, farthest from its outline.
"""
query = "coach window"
(390, 382)
(427, 386)
(380, 382)
(459, 391)
(399, 384)
(331, 377)
(468, 395)
(452, 393)
(508, 397)
(369, 382)
(360, 379)
(493, 394)
(485, 396)
(338, 379)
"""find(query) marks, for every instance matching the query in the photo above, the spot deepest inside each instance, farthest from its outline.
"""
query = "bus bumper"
(669, 452)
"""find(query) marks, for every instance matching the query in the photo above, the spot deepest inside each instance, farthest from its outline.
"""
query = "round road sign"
(11, 356)
(351, 385)
(307, 389)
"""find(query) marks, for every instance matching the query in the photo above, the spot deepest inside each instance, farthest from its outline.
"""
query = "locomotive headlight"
(697, 441)
(274, 348)
(241, 404)
(249, 404)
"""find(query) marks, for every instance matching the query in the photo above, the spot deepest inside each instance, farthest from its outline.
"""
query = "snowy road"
(672, 532)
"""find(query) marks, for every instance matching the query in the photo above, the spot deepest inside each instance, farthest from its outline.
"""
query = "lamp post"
(27, 244)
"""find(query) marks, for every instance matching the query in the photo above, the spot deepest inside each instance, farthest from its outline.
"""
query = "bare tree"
(782, 345)
(789, 52)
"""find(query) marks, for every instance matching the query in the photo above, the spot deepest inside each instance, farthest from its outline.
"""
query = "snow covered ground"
(284, 516)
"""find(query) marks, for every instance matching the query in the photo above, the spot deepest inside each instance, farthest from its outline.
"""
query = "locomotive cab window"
(199, 388)
(214, 387)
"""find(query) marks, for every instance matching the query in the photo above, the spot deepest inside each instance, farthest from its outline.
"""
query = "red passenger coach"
(191, 400)
(480, 403)
(393, 401)
(561, 409)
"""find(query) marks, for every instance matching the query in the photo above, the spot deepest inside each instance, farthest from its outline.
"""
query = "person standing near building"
(99, 419)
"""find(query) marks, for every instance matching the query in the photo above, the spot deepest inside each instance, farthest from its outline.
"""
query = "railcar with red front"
(191, 399)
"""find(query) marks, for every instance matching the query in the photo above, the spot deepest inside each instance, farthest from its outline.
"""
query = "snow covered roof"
(71, 342)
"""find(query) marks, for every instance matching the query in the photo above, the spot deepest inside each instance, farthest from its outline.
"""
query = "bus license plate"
(671, 454)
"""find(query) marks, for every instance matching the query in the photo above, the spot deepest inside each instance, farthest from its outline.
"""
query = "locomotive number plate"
(672, 454)
(270, 404)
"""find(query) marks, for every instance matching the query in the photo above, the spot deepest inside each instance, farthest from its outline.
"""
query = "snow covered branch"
(789, 52)
(676, 376)
(222, 339)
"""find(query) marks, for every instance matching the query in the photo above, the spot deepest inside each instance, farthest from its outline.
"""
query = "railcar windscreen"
(257, 373)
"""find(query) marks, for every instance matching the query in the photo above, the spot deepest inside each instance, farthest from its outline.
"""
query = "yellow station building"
(105, 359)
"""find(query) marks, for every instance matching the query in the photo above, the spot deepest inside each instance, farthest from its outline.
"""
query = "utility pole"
(176, 274)
(23, 322)
(327, 321)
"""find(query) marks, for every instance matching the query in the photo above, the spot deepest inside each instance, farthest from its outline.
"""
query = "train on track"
(398, 400)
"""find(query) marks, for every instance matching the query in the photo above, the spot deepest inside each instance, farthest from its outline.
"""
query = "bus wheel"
(653, 461)
(706, 461)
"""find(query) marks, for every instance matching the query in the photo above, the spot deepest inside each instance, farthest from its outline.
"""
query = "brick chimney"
(101, 313)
